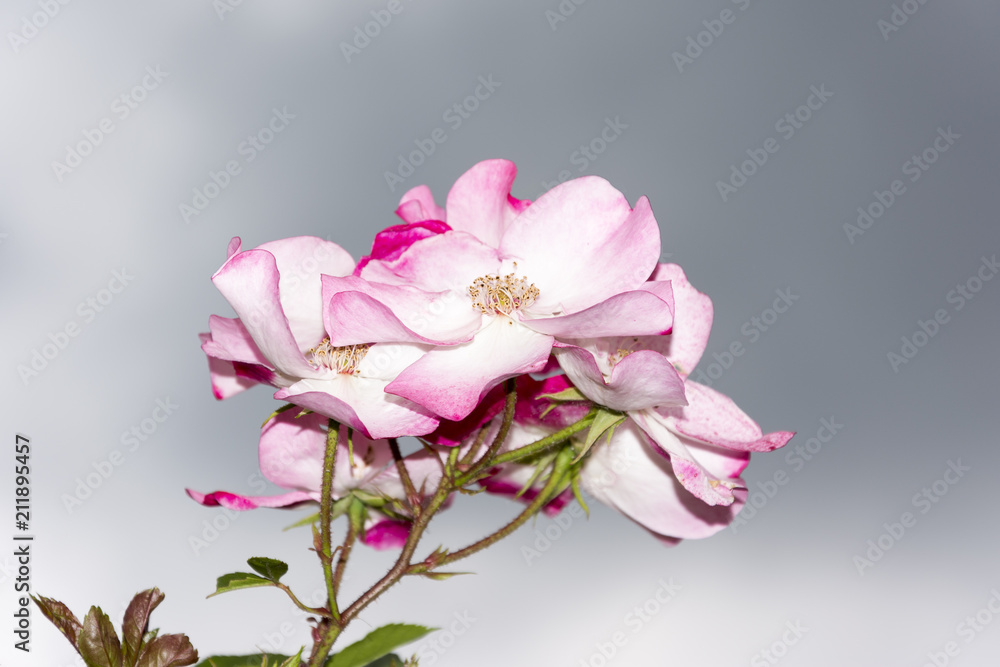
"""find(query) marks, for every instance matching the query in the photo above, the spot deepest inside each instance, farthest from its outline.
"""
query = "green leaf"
(391, 660)
(61, 617)
(605, 420)
(269, 568)
(168, 651)
(377, 644)
(273, 660)
(238, 580)
(98, 641)
(136, 622)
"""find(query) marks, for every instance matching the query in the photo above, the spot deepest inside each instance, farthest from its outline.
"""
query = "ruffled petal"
(417, 205)
(692, 319)
(641, 380)
(450, 381)
(359, 312)
(440, 263)
(573, 241)
(363, 404)
(635, 313)
(480, 203)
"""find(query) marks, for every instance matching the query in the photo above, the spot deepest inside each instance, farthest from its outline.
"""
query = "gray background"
(826, 357)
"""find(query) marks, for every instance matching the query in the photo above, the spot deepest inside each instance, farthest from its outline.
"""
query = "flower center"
(623, 352)
(345, 360)
(493, 294)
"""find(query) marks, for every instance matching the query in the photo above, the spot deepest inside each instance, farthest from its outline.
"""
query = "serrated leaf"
(61, 617)
(136, 622)
(377, 644)
(168, 651)
(312, 518)
(269, 568)
(98, 641)
(238, 580)
(605, 420)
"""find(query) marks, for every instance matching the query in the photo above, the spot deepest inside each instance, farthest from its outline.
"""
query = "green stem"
(329, 628)
(510, 402)
(404, 476)
(536, 447)
(298, 603)
(558, 476)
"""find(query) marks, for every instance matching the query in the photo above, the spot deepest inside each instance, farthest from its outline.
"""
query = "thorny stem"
(331, 628)
(404, 476)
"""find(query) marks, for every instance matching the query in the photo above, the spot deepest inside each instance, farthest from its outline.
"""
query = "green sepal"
(284, 408)
(442, 576)
(312, 518)
(605, 421)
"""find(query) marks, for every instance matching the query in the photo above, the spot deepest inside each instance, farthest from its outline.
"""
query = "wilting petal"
(480, 203)
(692, 475)
(636, 313)
(714, 418)
(641, 380)
(450, 381)
(573, 241)
(628, 475)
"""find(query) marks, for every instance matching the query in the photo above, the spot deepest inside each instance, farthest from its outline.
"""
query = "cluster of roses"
(565, 295)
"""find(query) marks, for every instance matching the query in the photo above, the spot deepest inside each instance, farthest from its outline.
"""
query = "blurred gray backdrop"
(837, 161)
